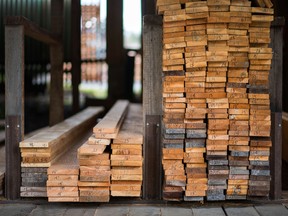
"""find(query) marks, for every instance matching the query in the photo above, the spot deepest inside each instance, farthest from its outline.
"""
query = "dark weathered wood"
(14, 107)
(115, 51)
(32, 30)
(275, 79)
(152, 183)
(152, 65)
(148, 7)
(76, 52)
(276, 71)
(276, 152)
(56, 111)
(13, 159)
(152, 105)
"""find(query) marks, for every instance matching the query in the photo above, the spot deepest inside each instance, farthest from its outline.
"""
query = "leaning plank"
(111, 123)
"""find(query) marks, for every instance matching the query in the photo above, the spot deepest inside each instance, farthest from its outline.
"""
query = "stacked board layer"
(216, 107)
(41, 150)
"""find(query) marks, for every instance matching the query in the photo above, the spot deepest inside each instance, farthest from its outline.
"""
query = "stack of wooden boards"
(126, 157)
(63, 174)
(41, 150)
(216, 113)
(98, 174)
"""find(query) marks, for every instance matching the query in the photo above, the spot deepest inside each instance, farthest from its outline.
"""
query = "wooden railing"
(15, 29)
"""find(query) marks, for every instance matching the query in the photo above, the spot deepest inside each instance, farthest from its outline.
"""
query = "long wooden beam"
(32, 30)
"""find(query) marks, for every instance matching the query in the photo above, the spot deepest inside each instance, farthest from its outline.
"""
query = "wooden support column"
(275, 78)
(14, 107)
(148, 7)
(76, 51)
(152, 106)
(56, 111)
(115, 51)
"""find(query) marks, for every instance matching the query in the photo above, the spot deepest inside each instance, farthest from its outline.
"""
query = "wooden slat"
(112, 121)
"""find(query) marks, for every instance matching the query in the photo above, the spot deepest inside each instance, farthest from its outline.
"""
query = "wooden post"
(275, 80)
(14, 107)
(115, 51)
(152, 106)
(148, 7)
(76, 51)
(56, 111)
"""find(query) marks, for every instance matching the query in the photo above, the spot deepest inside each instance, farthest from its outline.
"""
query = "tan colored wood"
(112, 121)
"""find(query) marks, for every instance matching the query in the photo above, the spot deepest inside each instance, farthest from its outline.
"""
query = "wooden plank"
(76, 53)
(113, 120)
(152, 106)
(14, 107)
(276, 106)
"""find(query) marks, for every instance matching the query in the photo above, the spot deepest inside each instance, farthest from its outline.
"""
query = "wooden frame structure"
(15, 30)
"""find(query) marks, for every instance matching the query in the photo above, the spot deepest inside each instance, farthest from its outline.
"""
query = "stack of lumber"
(63, 174)
(39, 151)
(174, 42)
(126, 157)
(95, 170)
(225, 102)
(238, 99)
(33, 182)
(2, 181)
(195, 113)
(173, 135)
(218, 122)
(260, 57)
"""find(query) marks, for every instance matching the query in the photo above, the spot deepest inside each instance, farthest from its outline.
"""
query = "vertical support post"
(152, 105)
(14, 107)
(148, 7)
(115, 51)
(275, 84)
(76, 51)
(56, 111)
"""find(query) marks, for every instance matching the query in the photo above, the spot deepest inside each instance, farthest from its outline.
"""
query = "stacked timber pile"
(94, 158)
(126, 157)
(41, 150)
(260, 57)
(218, 123)
(94, 171)
(195, 113)
(238, 99)
(63, 174)
(174, 101)
(217, 51)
